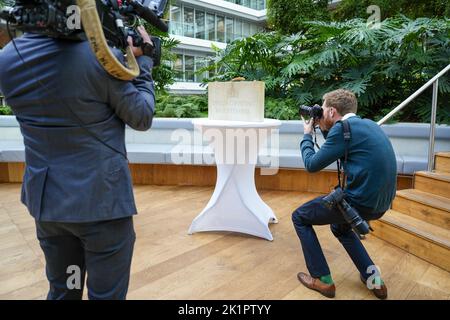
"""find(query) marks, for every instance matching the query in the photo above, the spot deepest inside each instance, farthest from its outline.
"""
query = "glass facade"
(200, 24)
(254, 4)
(187, 65)
(229, 27)
(211, 26)
(188, 22)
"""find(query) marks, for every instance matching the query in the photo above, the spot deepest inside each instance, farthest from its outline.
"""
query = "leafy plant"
(287, 16)
(163, 75)
(281, 109)
(383, 66)
(5, 111)
(6, 3)
(181, 106)
(348, 9)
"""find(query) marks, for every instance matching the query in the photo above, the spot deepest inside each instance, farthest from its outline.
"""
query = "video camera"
(104, 22)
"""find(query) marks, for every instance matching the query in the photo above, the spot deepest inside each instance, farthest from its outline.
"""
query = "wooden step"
(442, 161)
(423, 206)
(437, 183)
(422, 239)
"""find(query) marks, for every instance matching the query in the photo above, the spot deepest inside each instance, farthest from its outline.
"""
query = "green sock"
(327, 279)
(378, 281)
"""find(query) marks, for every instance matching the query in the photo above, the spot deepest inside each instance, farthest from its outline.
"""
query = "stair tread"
(426, 198)
(423, 229)
(443, 154)
(438, 175)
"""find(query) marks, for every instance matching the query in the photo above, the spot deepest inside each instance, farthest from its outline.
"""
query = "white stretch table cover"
(235, 204)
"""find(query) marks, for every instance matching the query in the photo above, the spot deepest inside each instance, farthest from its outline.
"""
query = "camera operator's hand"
(137, 51)
(145, 36)
(308, 126)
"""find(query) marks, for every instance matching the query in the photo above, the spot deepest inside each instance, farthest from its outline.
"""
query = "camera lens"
(315, 111)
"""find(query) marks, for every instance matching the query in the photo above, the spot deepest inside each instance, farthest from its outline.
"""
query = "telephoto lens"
(337, 199)
(358, 224)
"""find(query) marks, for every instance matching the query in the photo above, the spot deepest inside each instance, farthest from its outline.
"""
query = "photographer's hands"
(308, 126)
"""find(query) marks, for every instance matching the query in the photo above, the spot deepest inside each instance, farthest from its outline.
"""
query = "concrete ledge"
(398, 130)
(410, 141)
(147, 153)
(412, 164)
(13, 151)
(8, 121)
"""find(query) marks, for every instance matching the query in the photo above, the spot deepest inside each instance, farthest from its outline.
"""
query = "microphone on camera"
(148, 15)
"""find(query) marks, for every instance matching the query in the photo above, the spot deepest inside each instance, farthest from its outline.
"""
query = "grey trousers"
(102, 250)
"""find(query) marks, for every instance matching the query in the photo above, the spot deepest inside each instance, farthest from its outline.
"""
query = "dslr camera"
(337, 199)
(315, 112)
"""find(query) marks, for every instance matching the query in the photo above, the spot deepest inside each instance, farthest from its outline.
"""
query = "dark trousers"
(101, 249)
(314, 213)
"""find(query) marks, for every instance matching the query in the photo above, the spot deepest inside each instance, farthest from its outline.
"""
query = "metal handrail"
(435, 82)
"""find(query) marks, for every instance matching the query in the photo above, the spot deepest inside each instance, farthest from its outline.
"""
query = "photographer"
(77, 183)
(370, 170)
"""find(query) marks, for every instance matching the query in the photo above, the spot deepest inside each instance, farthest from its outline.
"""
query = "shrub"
(181, 106)
(348, 9)
(287, 16)
(382, 66)
(5, 111)
(281, 109)
(195, 106)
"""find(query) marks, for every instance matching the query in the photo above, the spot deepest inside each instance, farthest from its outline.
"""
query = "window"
(238, 29)
(229, 23)
(210, 26)
(212, 73)
(189, 68)
(178, 68)
(254, 4)
(200, 24)
(188, 25)
(194, 23)
(220, 22)
(200, 62)
(245, 29)
(186, 67)
(175, 20)
(261, 4)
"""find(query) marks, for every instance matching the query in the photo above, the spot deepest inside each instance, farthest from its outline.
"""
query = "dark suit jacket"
(72, 115)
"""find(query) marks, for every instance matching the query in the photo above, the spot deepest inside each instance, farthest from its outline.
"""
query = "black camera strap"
(315, 138)
(340, 167)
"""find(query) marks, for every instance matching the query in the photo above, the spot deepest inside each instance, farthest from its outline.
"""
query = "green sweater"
(371, 164)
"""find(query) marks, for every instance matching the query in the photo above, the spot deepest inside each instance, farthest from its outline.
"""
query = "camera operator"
(371, 184)
(77, 183)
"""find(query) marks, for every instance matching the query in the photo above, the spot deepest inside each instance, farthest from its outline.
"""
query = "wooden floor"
(170, 264)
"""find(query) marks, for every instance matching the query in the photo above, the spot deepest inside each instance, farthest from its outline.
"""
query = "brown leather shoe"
(380, 293)
(328, 290)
